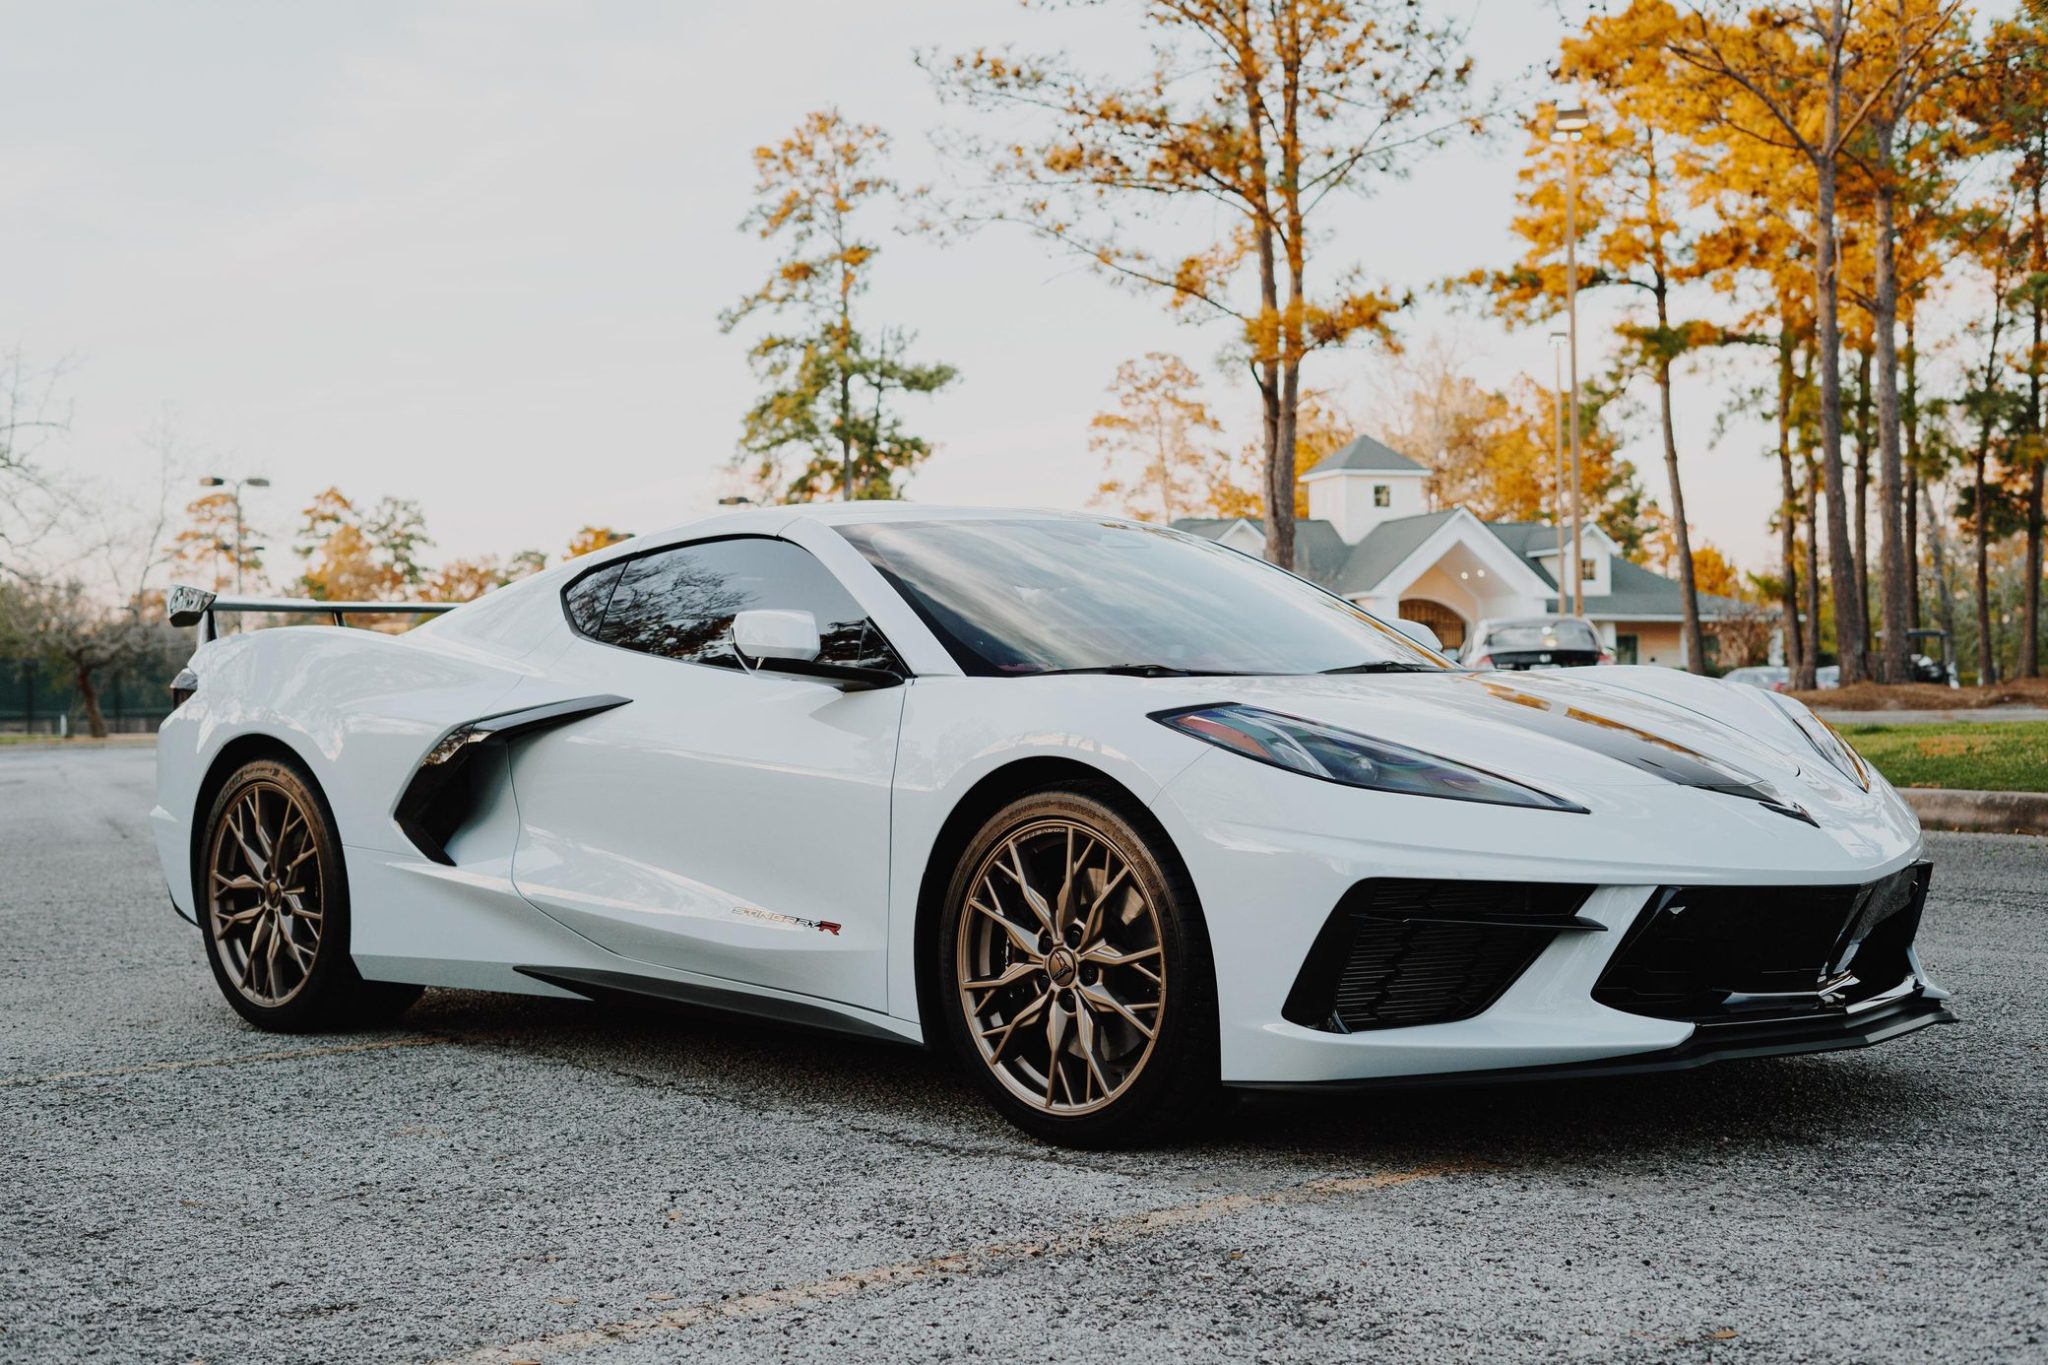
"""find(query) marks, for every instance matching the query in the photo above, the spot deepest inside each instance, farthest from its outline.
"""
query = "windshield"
(1018, 596)
(1542, 635)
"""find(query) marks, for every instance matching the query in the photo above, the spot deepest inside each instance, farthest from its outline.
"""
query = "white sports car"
(1115, 815)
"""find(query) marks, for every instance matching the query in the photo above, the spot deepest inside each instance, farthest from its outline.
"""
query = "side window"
(680, 603)
(1382, 495)
(588, 597)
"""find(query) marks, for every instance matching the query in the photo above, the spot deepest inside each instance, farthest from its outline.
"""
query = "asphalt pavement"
(504, 1179)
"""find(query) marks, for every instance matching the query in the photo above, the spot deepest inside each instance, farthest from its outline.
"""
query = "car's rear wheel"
(1075, 973)
(273, 900)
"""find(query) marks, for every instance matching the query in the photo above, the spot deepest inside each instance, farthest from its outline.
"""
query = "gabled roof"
(1641, 593)
(1319, 552)
(1383, 549)
(1365, 455)
(1529, 539)
(1358, 570)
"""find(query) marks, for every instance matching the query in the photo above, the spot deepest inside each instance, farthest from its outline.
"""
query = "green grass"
(2009, 756)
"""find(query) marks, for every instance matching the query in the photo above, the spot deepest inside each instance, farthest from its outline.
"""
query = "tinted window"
(1040, 595)
(680, 603)
(588, 597)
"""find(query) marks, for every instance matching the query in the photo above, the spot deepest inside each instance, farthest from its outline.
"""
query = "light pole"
(1570, 127)
(1557, 340)
(237, 485)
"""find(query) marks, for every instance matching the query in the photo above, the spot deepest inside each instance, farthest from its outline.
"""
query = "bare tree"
(31, 502)
(92, 612)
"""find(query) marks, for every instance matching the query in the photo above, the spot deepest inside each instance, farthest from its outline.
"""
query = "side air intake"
(1402, 951)
(445, 790)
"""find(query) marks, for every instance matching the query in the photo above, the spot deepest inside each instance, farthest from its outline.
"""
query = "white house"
(1371, 537)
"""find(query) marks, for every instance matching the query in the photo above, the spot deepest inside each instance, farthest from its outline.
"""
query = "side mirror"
(765, 636)
(788, 642)
(1419, 633)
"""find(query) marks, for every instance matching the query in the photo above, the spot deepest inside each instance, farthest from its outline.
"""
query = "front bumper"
(1881, 1022)
(1271, 853)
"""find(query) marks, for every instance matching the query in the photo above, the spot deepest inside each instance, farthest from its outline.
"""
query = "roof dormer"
(1364, 484)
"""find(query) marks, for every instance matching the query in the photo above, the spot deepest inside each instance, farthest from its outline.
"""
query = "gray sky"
(473, 253)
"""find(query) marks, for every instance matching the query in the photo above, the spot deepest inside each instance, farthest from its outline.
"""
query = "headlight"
(1826, 740)
(1352, 760)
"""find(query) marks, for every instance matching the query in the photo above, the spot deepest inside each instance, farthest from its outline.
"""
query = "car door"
(724, 821)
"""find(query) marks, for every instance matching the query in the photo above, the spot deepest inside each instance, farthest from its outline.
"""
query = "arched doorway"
(1448, 625)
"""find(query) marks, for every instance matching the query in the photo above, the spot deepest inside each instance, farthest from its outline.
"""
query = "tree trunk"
(1841, 561)
(2030, 611)
(88, 693)
(1283, 467)
(1987, 659)
(1809, 678)
(1987, 665)
(1937, 544)
(1910, 421)
(1862, 524)
(1294, 235)
(1894, 660)
(1788, 510)
(1693, 642)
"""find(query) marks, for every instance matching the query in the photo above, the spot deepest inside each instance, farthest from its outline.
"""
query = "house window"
(1625, 649)
(1588, 570)
(1382, 495)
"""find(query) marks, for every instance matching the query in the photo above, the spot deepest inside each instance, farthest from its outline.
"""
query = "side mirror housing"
(788, 642)
(765, 636)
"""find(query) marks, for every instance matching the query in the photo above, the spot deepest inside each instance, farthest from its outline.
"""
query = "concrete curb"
(1979, 812)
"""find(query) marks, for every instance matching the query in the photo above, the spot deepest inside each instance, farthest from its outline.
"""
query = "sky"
(474, 254)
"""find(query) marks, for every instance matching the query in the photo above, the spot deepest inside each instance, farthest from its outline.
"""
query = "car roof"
(773, 518)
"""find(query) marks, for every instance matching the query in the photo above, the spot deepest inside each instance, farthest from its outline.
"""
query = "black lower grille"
(1403, 951)
(1709, 953)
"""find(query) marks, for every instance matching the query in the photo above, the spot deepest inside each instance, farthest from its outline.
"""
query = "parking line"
(973, 1261)
(187, 1064)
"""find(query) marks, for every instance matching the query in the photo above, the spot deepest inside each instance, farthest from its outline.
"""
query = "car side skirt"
(631, 987)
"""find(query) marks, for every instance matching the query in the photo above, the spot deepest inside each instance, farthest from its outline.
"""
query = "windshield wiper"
(1384, 666)
(1133, 671)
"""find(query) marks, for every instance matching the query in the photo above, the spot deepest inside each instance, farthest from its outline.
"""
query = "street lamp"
(237, 485)
(1569, 127)
(1558, 508)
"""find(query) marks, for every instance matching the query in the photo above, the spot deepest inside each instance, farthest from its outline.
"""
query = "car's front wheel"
(273, 904)
(1075, 974)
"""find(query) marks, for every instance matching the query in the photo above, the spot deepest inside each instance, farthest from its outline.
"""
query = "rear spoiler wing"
(189, 606)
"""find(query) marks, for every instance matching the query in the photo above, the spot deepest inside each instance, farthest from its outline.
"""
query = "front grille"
(1403, 951)
(1713, 953)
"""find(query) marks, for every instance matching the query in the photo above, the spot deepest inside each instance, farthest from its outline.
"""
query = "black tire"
(282, 960)
(1171, 1085)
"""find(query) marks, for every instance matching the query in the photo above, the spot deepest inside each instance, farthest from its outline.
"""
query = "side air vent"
(1403, 951)
(449, 784)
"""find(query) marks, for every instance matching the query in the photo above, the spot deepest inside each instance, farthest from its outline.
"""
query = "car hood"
(1610, 727)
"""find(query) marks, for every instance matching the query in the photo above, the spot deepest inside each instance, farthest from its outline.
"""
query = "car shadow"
(1753, 1105)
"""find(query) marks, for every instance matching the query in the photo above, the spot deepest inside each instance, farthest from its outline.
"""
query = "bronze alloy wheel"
(264, 906)
(272, 894)
(1060, 967)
